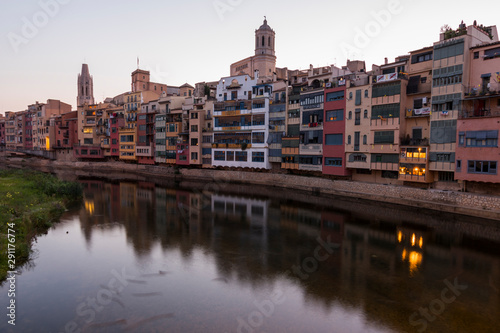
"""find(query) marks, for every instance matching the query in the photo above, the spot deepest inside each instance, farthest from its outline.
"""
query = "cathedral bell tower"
(264, 40)
(85, 87)
(265, 57)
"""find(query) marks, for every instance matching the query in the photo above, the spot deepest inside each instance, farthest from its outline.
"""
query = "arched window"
(348, 139)
(263, 41)
(350, 115)
(365, 139)
(256, 42)
(365, 114)
(269, 42)
(366, 93)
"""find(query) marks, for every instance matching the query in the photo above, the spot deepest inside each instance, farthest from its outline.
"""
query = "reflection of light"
(89, 207)
(420, 242)
(413, 240)
(415, 260)
(400, 236)
(404, 255)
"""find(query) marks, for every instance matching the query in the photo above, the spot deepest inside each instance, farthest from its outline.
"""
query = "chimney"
(386, 61)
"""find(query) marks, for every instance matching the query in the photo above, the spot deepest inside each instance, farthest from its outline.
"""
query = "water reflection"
(386, 267)
(202, 261)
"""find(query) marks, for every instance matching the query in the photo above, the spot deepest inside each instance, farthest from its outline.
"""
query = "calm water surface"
(136, 257)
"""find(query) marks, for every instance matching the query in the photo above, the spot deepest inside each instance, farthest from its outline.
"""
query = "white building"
(241, 123)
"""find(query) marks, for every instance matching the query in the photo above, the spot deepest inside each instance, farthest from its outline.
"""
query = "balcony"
(414, 155)
(418, 113)
(414, 142)
(231, 145)
(421, 88)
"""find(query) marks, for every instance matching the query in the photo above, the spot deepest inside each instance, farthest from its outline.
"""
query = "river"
(143, 257)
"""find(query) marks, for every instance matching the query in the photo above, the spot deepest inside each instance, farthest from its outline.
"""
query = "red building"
(334, 132)
(28, 130)
(66, 131)
(116, 122)
(2, 132)
(182, 156)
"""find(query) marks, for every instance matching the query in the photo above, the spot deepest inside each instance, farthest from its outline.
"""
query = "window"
(365, 139)
(257, 156)
(348, 139)
(357, 117)
(492, 53)
(358, 97)
(194, 156)
(194, 142)
(421, 57)
(459, 165)
(476, 55)
(88, 141)
(219, 155)
(366, 93)
(334, 140)
(207, 139)
(383, 137)
(350, 95)
(485, 167)
(461, 139)
(481, 138)
(350, 115)
(258, 137)
(194, 128)
(230, 156)
(194, 115)
(365, 114)
(385, 111)
(335, 96)
(332, 161)
(386, 89)
(335, 115)
(241, 156)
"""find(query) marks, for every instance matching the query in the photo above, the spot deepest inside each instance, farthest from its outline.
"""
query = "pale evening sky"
(44, 42)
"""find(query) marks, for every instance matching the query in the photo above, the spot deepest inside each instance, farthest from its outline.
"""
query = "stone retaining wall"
(484, 206)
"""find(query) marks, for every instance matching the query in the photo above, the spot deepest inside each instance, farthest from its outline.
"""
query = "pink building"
(334, 132)
(477, 152)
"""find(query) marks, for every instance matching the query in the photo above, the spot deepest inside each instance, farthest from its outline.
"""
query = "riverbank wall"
(478, 205)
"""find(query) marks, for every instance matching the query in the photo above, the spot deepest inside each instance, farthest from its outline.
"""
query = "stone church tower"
(265, 57)
(85, 87)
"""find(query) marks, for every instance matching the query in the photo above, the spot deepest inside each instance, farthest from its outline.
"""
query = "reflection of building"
(253, 211)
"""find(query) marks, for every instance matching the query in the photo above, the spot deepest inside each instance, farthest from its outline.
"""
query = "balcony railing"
(414, 142)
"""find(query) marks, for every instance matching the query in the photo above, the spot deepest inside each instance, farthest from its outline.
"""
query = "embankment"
(483, 206)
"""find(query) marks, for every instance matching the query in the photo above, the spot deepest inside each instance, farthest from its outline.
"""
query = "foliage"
(30, 201)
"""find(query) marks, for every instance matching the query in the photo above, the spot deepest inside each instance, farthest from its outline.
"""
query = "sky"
(43, 43)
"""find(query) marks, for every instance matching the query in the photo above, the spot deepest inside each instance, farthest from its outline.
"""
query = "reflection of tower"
(265, 58)
(85, 87)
